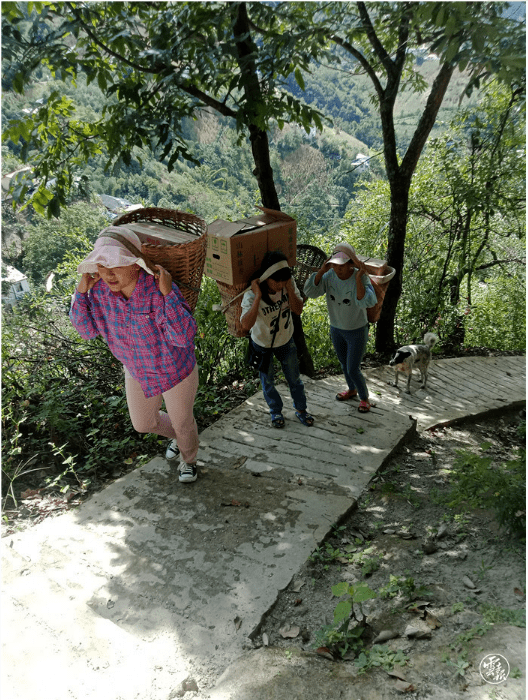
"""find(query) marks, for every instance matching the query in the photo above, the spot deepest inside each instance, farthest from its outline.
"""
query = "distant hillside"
(350, 100)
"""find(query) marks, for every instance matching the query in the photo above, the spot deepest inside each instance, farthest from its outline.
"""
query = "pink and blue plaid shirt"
(151, 334)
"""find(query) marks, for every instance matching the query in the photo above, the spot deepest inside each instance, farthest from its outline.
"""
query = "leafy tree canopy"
(156, 63)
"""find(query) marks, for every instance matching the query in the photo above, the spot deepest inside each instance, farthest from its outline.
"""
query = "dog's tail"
(430, 339)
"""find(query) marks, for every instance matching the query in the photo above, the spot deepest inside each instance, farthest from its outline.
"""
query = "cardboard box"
(235, 249)
(156, 234)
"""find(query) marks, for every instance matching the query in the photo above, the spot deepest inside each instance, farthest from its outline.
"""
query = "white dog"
(409, 356)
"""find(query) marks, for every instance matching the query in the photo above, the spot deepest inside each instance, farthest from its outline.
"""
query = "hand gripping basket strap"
(270, 271)
(132, 248)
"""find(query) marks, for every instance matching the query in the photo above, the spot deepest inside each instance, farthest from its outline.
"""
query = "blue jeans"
(350, 347)
(287, 356)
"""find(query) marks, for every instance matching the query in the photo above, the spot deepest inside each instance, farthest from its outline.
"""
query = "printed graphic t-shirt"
(272, 320)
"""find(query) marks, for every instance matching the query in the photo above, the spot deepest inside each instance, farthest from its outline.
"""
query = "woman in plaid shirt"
(149, 328)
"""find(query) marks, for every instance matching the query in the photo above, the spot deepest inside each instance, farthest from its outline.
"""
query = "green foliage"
(398, 585)
(479, 482)
(497, 315)
(317, 332)
(463, 275)
(128, 50)
(460, 664)
(493, 615)
(72, 235)
(63, 405)
(339, 636)
(379, 656)
(462, 641)
(220, 356)
(342, 638)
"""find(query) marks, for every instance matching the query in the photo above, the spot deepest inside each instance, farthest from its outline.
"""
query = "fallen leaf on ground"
(397, 674)
(31, 493)
(297, 601)
(417, 632)
(324, 651)
(518, 591)
(418, 606)
(297, 585)
(404, 687)
(384, 636)
(432, 621)
(289, 632)
(239, 462)
(265, 639)
(238, 622)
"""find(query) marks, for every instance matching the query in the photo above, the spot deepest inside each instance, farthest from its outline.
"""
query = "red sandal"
(346, 395)
(364, 406)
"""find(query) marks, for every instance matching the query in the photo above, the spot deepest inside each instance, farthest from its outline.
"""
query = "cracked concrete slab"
(151, 579)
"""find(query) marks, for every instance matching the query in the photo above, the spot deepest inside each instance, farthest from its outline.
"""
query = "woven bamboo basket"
(380, 284)
(233, 310)
(184, 261)
(309, 260)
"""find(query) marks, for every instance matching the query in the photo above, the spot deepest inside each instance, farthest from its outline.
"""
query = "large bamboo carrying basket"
(185, 261)
(309, 260)
(232, 307)
(380, 284)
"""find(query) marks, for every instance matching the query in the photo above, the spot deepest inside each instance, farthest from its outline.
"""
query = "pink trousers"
(179, 420)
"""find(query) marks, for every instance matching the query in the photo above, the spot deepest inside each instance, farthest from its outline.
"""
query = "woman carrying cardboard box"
(140, 312)
(266, 313)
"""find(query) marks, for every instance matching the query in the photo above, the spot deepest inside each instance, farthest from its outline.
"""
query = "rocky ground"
(449, 584)
(446, 586)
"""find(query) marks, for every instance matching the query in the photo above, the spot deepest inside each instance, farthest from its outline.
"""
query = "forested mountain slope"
(314, 172)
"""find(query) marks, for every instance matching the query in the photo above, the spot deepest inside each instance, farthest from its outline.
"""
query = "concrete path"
(151, 581)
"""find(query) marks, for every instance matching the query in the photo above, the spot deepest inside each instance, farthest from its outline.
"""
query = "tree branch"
(427, 120)
(361, 59)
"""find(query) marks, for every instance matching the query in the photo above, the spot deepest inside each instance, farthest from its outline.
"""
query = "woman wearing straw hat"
(141, 314)
(349, 293)
(266, 312)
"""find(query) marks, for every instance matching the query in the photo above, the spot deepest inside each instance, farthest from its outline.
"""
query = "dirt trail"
(454, 583)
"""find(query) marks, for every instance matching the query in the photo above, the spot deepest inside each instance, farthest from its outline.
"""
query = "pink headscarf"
(111, 253)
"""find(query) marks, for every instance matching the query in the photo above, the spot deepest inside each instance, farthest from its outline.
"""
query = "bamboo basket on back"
(184, 260)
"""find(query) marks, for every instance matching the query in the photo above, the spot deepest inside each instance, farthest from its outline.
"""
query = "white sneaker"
(172, 450)
(188, 472)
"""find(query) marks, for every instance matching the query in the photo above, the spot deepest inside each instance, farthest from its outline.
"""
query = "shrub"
(497, 318)
(479, 482)
(64, 407)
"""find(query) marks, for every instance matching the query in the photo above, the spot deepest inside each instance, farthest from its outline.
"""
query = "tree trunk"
(260, 150)
(247, 49)
(263, 170)
(385, 342)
